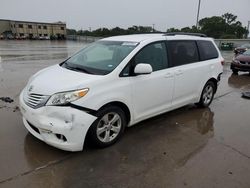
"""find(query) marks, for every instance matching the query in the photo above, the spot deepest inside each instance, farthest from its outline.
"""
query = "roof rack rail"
(183, 33)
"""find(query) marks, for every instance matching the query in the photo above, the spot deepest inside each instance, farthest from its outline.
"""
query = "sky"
(86, 14)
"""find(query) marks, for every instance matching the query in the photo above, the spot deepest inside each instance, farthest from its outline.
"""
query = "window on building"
(62, 28)
(182, 52)
(20, 25)
(30, 26)
(39, 27)
(44, 27)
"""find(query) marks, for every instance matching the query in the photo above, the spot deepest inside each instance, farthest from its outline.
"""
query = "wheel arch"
(215, 81)
(121, 105)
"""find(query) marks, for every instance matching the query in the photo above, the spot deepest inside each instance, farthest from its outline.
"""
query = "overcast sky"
(123, 13)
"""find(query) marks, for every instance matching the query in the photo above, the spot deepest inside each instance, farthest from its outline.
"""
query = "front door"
(152, 93)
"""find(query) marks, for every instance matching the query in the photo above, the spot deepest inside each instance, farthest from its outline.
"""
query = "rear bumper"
(240, 67)
(62, 127)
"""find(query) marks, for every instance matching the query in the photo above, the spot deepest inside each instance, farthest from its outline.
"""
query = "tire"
(108, 127)
(207, 95)
(235, 71)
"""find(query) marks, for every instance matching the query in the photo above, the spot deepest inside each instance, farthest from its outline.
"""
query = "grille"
(36, 100)
(245, 63)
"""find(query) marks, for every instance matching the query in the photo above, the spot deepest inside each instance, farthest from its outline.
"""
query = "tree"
(214, 26)
(225, 26)
(229, 18)
(71, 32)
(172, 29)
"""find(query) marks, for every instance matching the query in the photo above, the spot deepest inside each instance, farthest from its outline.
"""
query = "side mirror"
(143, 68)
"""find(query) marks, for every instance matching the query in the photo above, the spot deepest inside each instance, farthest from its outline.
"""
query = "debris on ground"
(246, 94)
(6, 99)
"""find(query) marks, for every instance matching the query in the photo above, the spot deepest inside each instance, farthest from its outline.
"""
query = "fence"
(236, 42)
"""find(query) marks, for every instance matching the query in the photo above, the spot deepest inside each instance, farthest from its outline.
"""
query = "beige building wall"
(4, 26)
(33, 29)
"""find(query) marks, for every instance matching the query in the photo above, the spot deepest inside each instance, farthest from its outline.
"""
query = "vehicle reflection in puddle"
(200, 120)
(241, 81)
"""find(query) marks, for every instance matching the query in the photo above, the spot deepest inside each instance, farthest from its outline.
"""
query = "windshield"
(100, 57)
(245, 46)
(247, 52)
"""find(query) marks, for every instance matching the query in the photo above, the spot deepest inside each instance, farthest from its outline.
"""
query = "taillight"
(222, 62)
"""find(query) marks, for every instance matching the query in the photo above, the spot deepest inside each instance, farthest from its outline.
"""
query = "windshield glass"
(247, 52)
(245, 46)
(100, 57)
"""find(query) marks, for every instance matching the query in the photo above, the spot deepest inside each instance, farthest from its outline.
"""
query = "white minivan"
(117, 82)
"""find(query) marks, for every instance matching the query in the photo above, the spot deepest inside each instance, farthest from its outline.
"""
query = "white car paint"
(144, 95)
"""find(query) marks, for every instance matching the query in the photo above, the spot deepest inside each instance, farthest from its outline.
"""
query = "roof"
(134, 38)
(143, 37)
(57, 23)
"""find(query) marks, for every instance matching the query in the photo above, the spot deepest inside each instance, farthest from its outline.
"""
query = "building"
(32, 30)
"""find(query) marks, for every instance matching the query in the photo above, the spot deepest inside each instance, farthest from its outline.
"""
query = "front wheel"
(108, 127)
(207, 94)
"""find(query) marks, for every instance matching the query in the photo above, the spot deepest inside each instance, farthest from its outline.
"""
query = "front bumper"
(62, 127)
(240, 67)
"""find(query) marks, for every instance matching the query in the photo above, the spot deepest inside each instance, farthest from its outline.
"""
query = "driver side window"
(154, 54)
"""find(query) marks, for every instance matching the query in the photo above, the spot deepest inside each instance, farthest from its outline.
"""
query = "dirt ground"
(188, 147)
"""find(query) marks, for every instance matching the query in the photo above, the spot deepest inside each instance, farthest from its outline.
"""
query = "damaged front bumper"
(63, 127)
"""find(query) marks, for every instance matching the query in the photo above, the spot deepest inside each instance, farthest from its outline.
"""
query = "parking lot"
(188, 147)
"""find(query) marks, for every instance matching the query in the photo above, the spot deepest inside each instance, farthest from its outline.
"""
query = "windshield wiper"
(79, 69)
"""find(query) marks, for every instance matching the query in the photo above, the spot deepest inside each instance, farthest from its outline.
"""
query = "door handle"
(168, 75)
(178, 72)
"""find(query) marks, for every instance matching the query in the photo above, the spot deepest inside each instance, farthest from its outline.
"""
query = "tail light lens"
(222, 62)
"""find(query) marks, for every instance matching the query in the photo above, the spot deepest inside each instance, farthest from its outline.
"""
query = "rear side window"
(182, 52)
(207, 50)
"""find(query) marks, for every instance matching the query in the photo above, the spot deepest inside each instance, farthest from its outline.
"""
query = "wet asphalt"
(188, 147)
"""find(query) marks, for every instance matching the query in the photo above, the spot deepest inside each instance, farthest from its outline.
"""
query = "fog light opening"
(61, 137)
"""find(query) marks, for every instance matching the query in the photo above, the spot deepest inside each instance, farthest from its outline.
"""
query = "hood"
(56, 79)
(244, 58)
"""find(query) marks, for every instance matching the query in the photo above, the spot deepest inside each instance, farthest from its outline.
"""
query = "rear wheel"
(207, 94)
(108, 127)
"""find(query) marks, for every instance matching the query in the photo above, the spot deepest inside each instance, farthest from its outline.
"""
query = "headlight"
(66, 97)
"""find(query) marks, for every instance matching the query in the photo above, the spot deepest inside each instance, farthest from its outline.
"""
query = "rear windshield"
(100, 58)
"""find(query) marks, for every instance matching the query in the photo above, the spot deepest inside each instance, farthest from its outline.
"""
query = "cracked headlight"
(66, 97)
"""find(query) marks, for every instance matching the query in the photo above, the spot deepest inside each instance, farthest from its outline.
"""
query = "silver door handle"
(168, 75)
(178, 72)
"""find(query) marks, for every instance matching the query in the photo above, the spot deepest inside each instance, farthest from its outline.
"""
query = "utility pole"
(153, 27)
(248, 25)
(198, 14)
